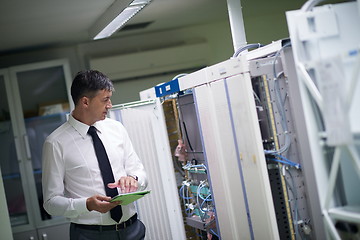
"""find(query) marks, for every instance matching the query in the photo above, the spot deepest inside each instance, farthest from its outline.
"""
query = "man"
(74, 182)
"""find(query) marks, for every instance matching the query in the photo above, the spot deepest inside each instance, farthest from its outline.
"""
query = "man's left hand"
(126, 184)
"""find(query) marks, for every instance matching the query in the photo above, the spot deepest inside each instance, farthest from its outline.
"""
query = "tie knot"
(92, 131)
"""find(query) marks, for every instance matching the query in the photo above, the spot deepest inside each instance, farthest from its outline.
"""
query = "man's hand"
(100, 203)
(126, 184)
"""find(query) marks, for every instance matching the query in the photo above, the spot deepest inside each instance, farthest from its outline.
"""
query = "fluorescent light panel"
(121, 19)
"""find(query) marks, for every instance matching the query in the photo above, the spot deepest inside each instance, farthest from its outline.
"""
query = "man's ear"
(84, 101)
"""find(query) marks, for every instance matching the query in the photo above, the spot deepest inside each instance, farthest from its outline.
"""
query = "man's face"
(99, 105)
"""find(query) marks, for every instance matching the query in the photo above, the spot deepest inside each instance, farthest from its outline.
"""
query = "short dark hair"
(88, 82)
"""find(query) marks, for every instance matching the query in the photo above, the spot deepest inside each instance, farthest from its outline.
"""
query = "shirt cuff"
(80, 205)
(141, 184)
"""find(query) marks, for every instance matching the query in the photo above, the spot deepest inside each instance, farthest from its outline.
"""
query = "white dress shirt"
(71, 172)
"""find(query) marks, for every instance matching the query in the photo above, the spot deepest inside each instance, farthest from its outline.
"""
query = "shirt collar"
(80, 127)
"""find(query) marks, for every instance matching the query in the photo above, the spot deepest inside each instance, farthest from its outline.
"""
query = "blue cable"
(280, 161)
(199, 194)
(212, 232)
(297, 165)
(283, 159)
(181, 195)
(205, 200)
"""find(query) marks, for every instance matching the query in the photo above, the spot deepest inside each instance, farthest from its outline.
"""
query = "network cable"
(283, 160)
(280, 105)
(212, 232)
(185, 198)
(293, 190)
(309, 5)
(182, 193)
(248, 46)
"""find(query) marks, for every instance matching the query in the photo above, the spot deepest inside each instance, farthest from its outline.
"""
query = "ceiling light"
(116, 16)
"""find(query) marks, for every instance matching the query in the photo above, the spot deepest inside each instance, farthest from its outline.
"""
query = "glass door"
(41, 93)
(12, 171)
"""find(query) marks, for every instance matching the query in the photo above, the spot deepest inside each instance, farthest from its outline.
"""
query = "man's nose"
(109, 105)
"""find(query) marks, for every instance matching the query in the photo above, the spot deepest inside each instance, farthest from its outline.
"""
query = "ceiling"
(35, 24)
(27, 25)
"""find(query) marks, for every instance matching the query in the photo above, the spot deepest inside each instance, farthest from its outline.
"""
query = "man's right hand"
(100, 203)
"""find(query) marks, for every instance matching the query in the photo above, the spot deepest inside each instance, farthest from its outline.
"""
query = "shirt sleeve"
(133, 164)
(53, 171)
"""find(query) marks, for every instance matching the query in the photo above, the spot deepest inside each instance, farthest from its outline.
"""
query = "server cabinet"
(327, 58)
(252, 143)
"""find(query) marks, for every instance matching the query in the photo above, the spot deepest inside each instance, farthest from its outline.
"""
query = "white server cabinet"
(235, 155)
(237, 144)
(327, 59)
(233, 150)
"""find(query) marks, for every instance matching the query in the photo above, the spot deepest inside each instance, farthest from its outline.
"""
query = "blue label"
(167, 88)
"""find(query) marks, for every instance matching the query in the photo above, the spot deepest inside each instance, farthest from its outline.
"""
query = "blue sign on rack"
(167, 88)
